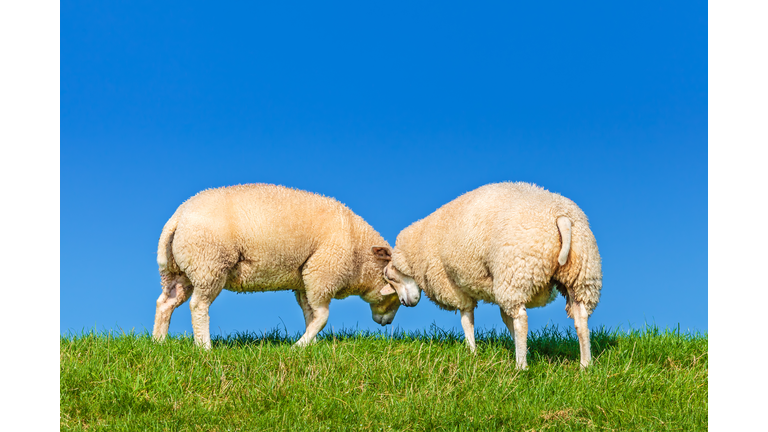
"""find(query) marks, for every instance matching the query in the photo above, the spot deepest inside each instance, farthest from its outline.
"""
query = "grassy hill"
(416, 381)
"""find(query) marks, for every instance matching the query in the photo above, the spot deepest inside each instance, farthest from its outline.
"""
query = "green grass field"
(640, 380)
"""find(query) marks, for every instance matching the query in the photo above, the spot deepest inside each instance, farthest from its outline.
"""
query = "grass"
(408, 381)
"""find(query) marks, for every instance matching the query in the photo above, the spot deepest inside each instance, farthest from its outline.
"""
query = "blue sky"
(394, 109)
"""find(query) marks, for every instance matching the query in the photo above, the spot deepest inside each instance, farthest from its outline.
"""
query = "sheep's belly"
(248, 277)
(479, 294)
(479, 288)
(543, 297)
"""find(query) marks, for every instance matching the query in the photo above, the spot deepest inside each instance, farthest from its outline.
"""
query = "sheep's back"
(472, 231)
(272, 228)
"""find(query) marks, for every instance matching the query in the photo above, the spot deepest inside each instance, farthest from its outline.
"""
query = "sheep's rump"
(259, 236)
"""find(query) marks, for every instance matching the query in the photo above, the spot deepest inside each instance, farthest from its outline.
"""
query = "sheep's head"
(383, 304)
(383, 312)
(397, 282)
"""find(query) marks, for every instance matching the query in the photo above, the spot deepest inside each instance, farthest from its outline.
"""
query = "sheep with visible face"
(262, 237)
(511, 244)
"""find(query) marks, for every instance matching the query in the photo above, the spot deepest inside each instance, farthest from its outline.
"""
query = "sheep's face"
(384, 311)
(405, 287)
(384, 302)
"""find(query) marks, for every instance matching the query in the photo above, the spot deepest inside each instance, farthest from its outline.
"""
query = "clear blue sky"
(394, 109)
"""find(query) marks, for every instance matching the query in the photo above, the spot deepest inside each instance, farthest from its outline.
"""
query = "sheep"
(511, 244)
(262, 237)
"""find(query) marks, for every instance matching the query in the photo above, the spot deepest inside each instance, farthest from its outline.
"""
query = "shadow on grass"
(276, 336)
(549, 344)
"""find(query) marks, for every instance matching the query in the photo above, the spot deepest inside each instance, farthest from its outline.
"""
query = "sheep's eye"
(386, 275)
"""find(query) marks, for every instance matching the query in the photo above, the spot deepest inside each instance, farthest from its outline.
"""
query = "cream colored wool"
(502, 243)
(261, 237)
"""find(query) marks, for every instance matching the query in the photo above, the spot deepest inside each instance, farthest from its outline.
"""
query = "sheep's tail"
(580, 269)
(590, 278)
(588, 281)
(564, 225)
(164, 252)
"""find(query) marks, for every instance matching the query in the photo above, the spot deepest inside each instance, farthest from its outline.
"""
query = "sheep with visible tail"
(511, 244)
(261, 237)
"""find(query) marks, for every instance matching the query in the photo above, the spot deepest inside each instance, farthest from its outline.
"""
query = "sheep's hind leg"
(202, 297)
(517, 323)
(176, 290)
(468, 323)
(580, 316)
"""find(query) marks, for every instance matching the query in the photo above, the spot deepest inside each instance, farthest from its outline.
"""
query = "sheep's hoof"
(302, 344)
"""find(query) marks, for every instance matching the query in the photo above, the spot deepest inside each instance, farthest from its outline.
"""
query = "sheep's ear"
(382, 252)
(387, 290)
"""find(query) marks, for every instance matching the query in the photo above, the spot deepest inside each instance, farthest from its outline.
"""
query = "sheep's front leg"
(580, 317)
(301, 297)
(319, 319)
(517, 323)
(321, 282)
(508, 322)
(468, 323)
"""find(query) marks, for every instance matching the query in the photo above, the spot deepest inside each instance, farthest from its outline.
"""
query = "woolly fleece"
(261, 237)
(501, 243)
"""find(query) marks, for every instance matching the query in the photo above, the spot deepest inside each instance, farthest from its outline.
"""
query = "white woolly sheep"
(262, 237)
(506, 243)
